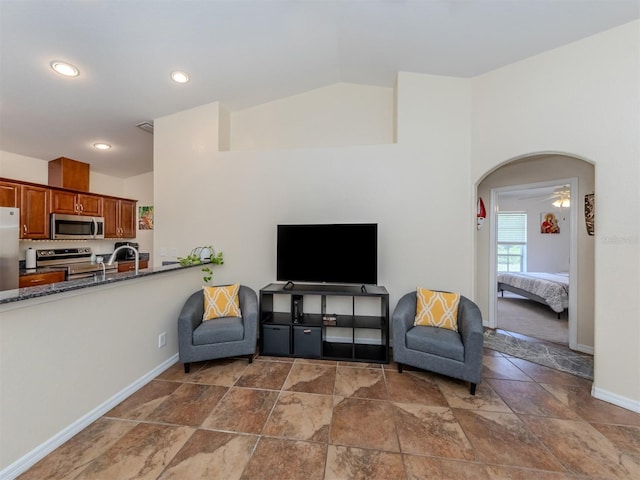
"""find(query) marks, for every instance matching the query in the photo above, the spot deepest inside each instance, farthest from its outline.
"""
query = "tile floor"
(284, 419)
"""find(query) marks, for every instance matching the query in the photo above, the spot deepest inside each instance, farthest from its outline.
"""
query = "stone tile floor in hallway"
(304, 419)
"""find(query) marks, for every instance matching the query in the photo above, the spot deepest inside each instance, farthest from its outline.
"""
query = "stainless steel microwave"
(76, 227)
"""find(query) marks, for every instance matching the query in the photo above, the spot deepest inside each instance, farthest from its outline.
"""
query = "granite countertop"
(20, 294)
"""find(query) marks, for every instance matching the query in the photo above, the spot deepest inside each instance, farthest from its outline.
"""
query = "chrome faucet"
(104, 270)
(135, 252)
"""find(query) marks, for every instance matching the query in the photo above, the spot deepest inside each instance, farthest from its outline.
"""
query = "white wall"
(35, 170)
(336, 115)
(234, 200)
(140, 188)
(64, 355)
(582, 99)
(27, 169)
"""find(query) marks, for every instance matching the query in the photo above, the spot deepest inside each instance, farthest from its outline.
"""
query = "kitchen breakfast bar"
(71, 351)
(20, 294)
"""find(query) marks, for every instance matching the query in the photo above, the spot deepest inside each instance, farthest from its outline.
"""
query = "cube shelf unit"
(282, 333)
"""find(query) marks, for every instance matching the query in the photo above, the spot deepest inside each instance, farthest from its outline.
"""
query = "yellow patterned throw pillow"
(221, 302)
(437, 309)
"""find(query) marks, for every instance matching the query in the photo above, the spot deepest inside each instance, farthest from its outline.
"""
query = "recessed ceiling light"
(102, 146)
(64, 68)
(179, 77)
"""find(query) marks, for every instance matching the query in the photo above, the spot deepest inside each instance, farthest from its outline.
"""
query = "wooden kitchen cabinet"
(9, 194)
(37, 201)
(67, 173)
(33, 202)
(119, 217)
(128, 218)
(74, 203)
(130, 265)
(37, 279)
(34, 212)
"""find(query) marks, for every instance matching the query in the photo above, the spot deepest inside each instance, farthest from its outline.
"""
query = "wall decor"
(481, 213)
(145, 218)
(589, 206)
(549, 223)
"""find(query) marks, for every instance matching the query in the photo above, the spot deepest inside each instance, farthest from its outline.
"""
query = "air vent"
(146, 126)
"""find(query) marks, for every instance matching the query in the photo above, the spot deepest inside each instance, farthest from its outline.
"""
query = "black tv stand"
(340, 322)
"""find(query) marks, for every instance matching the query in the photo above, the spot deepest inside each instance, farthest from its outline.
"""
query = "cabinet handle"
(24, 228)
(36, 280)
(307, 330)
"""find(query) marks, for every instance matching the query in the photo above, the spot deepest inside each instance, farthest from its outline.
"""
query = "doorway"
(534, 242)
(532, 176)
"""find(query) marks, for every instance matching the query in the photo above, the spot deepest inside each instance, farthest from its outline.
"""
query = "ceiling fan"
(561, 196)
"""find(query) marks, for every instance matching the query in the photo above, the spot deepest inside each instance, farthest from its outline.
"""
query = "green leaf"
(194, 259)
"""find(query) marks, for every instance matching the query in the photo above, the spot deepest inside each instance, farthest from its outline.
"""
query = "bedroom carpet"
(524, 316)
(542, 353)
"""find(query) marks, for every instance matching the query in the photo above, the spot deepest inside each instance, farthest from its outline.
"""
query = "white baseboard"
(27, 461)
(614, 398)
(584, 349)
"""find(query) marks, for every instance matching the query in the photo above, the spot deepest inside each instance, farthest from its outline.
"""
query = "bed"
(550, 289)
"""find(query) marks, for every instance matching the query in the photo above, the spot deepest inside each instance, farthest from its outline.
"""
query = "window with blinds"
(512, 241)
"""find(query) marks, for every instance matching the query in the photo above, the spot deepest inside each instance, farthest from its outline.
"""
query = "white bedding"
(552, 287)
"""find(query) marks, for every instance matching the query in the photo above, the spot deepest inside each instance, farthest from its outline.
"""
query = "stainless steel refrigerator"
(9, 239)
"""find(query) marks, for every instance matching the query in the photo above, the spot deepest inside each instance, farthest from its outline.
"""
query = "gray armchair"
(219, 338)
(455, 354)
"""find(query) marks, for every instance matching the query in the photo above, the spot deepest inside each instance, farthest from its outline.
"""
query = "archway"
(542, 170)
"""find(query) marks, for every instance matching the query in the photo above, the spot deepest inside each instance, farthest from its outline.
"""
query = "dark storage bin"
(275, 340)
(307, 341)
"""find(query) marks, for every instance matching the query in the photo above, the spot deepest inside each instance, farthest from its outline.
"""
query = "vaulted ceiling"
(242, 53)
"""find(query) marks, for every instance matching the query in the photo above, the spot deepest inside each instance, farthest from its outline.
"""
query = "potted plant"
(203, 255)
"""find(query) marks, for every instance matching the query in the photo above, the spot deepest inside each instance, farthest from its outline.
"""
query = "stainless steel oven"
(76, 227)
(75, 261)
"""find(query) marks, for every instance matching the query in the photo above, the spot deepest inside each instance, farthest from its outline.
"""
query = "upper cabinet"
(73, 203)
(68, 173)
(119, 217)
(33, 202)
(34, 212)
(9, 194)
(128, 218)
(37, 202)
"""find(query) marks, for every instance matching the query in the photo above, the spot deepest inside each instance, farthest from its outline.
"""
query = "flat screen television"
(328, 253)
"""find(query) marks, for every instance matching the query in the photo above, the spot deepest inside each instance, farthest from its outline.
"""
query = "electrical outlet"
(174, 252)
(163, 252)
(162, 339)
